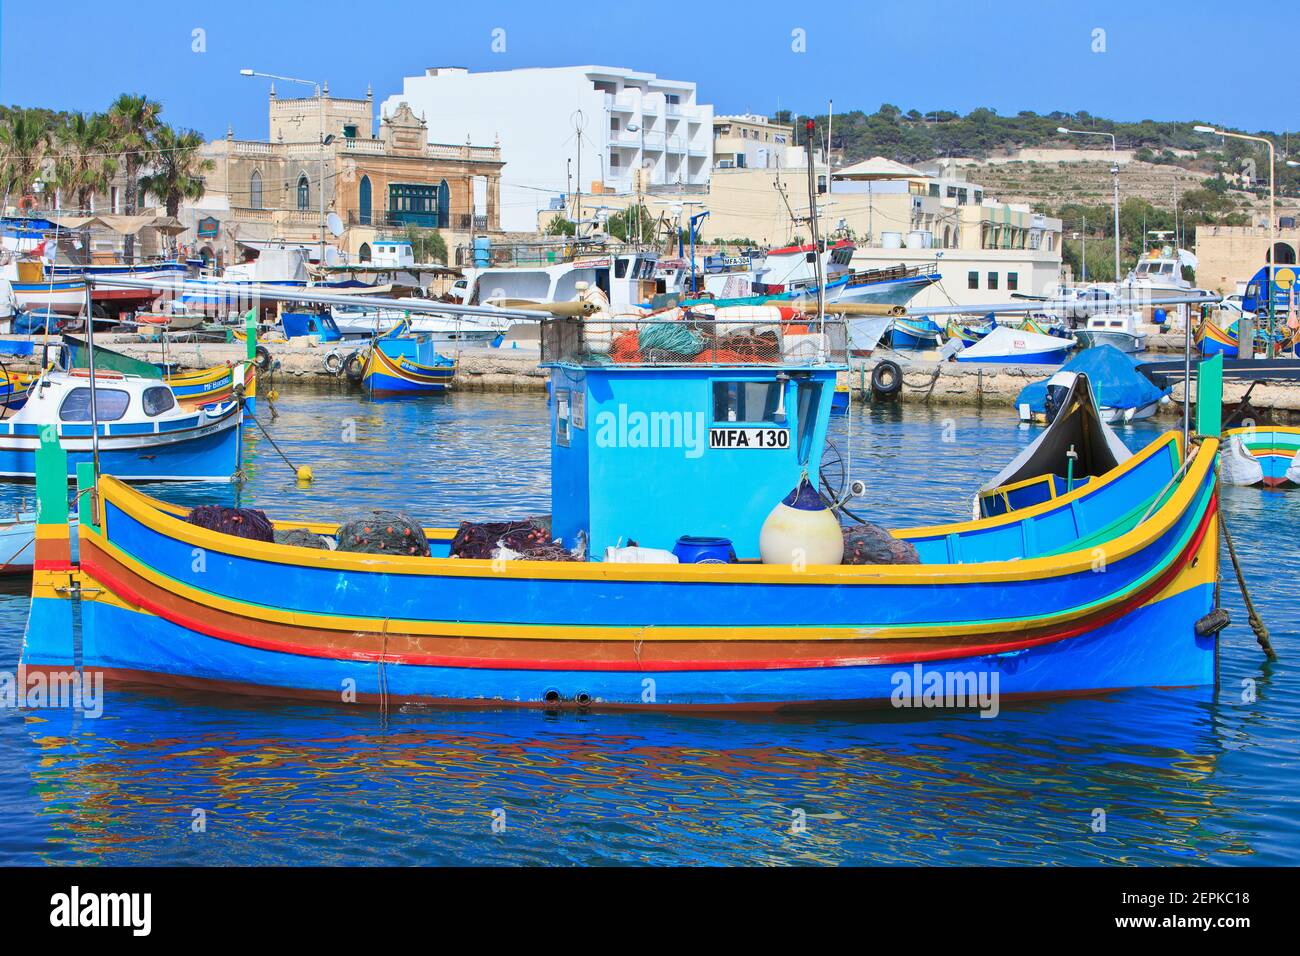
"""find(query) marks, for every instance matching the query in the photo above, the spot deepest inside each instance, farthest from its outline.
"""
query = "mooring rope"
(1256, 622)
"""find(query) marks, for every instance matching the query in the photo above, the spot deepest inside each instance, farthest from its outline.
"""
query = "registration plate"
(749, 438)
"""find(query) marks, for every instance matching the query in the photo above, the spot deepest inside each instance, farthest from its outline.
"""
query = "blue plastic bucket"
(692, 550)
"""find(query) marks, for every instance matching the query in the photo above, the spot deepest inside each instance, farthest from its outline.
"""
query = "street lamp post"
(1114, 173)
(322, 139)
(1272, 220)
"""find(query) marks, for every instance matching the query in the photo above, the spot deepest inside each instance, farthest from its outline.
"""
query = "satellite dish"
(334, 224)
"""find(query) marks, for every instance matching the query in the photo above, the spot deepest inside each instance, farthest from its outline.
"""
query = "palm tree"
(134, 122)
(85, 164)
(24, 145)
(178, 169)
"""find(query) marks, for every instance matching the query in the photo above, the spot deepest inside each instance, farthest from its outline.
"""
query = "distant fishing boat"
(65, 297)
(193, 389)
(407, 365)
(1274, 451)
(968, 333)
(144, 433)
(912, 334)
(1122, 330)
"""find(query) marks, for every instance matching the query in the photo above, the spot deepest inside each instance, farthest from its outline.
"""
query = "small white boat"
(444, 329)
(144, 433)
(1017, 347)
(1120, 329)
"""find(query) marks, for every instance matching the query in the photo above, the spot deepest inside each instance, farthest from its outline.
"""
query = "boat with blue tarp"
(1123, 393)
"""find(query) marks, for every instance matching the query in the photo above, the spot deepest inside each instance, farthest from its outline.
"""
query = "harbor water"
(1141, 777)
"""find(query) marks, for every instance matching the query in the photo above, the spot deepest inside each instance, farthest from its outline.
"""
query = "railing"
(691, 338)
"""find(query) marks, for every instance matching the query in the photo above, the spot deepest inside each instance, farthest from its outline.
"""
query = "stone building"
(377, 182)
(1228, 255)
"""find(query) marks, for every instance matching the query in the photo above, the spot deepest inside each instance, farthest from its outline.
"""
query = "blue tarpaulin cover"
(1113, 375)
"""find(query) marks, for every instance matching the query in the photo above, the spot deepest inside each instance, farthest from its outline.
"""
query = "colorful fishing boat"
(405, 365)
(1275, 449)
(63, 296)
(1214, 340)
(214, 385)
(18, 544)
(914, 333)
(144, 434)
(968, 333)
(14, 388)
(1016, 598)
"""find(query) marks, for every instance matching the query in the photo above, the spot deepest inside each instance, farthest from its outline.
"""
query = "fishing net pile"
(301, 538)
(383, 532)
(528, 540)
(867, 543)
(697, 338)
(247, 523)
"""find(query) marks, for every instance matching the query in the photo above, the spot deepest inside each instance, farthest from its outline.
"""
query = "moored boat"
(143, 432)
(1016, 598)
(1275, 449)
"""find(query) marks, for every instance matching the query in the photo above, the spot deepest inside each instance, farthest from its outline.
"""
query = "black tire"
(334, 363)
(354, 366)
(262, 359)
(886, 379)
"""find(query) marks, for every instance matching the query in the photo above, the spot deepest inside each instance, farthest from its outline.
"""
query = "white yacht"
(1120, 329)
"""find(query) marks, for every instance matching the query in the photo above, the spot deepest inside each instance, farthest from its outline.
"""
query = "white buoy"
(801, 530)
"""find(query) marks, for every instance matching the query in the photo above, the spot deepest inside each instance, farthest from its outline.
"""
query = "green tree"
(177, 172)
(134, 122)
(560, 226)
(24, 146)
(85, 164)
(427, 245)
(633, 224)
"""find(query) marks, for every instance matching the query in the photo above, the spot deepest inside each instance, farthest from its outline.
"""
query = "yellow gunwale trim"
(1161, 444)
(140, 507)
(1263, 430)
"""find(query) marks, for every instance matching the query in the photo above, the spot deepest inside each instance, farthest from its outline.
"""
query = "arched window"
(304, 192)
(255, 190)
(363, 201)
(444, 205)
(1283, 254)
(364, 252)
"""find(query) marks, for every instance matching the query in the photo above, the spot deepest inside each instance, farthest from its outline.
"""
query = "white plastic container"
(639, 555)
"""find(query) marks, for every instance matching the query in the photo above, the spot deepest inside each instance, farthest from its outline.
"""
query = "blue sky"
(923, 54)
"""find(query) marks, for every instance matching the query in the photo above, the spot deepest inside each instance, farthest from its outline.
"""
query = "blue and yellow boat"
(406, 365)
(653, 450)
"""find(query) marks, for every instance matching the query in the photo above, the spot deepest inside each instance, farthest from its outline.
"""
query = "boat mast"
(809, 130)
(90, 361)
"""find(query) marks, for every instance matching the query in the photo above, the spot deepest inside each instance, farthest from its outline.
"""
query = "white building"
(630, 122)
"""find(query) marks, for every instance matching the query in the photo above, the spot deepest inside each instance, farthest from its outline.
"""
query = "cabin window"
(809, 397)
(562, 417)
(620, 268)
(157, 399)
(110, 405)
(1013, 280)
(972, 280)
(993, 280)
(747, 402)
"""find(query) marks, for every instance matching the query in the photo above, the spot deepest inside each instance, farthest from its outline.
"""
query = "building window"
(255, 190)
(993, 280)
(1013, 281)
(363, 201)
(614, 162)
(304, 192)
(972, 280)
(364, 252)
(350, 132)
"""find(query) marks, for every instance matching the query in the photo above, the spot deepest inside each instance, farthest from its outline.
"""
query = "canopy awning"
(877, 168)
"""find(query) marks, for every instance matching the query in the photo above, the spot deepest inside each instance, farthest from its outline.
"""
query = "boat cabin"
(626, 278)
(665, 429)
